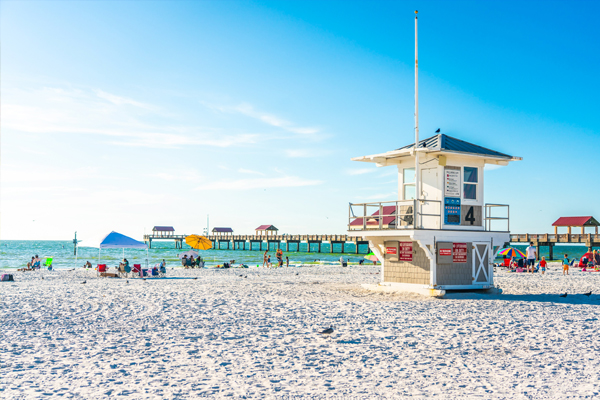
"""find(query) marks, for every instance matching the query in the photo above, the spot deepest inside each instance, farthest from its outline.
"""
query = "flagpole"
(417, 174)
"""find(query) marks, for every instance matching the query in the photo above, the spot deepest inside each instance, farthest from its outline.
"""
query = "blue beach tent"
(116, 240)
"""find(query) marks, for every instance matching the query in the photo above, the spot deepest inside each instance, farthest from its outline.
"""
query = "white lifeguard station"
(440, 234)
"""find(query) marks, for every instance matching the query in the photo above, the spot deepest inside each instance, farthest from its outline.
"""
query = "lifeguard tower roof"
(442, 144)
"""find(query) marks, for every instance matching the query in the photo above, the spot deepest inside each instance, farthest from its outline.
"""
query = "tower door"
(481, 263)
(430, 190)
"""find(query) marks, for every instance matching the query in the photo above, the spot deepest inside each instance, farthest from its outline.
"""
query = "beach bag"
(7, 278)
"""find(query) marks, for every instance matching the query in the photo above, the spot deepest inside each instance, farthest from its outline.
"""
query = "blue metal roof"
(442, 142)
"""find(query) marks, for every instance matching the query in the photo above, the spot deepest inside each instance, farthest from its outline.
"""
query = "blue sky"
(124, 115)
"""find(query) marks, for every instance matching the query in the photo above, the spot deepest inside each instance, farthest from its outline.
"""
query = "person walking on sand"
(287, 261)
(269, 261)
(279, 255)
(531, 256)
(265, 258)
(343, 262)
(566, 265)
(543, 264)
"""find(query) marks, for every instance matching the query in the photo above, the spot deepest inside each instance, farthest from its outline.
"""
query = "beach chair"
(137, 268)
(36, 265)
(48, 263)
(101, 269)
(124, 270)
(162, 271)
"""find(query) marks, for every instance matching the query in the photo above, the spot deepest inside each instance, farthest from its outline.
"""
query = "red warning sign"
(459, 252)
(391, 250)
(445, 252)
(406, 251)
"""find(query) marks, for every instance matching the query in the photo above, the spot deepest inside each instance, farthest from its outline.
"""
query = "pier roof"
(163, 229)
(441, 144)
(266, 228)
(576, 221)
(224, 230)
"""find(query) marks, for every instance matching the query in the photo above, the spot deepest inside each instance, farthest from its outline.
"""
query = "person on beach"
(566, 264)
(279, 255)
(265, 258)
(543, 264)
(361, 261)
(269, 261)
(343, 262)
(531, 256)
(87, 265)
(184, 261)
(287, 261)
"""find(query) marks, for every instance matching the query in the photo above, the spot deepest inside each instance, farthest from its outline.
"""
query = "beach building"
(576, 222)
(266, 230)
(163, 231)
(222, 231)
(440, 234)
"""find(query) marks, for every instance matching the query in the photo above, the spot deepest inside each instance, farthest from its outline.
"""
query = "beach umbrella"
(198, 242)
(511, 252)
(371, 257)
(189, 254)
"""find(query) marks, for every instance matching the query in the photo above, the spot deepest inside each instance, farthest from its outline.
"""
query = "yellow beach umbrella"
(198, 242)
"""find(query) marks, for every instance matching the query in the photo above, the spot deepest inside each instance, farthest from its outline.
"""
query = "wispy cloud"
(361, 171)
(96, 112)
(189, 176)
(267, 118)
(119, 101)
(249, 171)
(259, 183)
(306, 153)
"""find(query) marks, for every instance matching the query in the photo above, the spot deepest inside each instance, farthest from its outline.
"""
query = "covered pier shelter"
(575, 222)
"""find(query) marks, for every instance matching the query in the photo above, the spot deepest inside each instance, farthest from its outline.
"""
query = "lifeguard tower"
(440, 234)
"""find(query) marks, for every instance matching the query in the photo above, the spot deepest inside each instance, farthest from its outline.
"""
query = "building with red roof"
(581, 222)
(266, 230)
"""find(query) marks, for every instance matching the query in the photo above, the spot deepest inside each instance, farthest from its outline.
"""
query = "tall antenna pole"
(417, 175)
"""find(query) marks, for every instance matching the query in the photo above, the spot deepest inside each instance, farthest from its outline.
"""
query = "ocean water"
(16, 254)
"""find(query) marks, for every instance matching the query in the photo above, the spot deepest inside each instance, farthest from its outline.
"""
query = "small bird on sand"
(438, 131)
(245, 276)
(563, 295)
(127, 281)
(297, 273)
(327, 331)
(83, 282)
(42, 278)
(588, 294)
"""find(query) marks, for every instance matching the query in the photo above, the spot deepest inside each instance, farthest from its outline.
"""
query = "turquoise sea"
(16, 253)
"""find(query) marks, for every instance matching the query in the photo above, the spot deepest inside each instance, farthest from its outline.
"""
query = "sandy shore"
(222, 335)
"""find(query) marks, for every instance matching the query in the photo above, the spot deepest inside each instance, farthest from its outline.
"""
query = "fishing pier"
(314, 243)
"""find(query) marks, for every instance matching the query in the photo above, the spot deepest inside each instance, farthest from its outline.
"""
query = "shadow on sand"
(572, 298)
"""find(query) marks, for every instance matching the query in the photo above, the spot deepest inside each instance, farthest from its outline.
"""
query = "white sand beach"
(222, 335)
